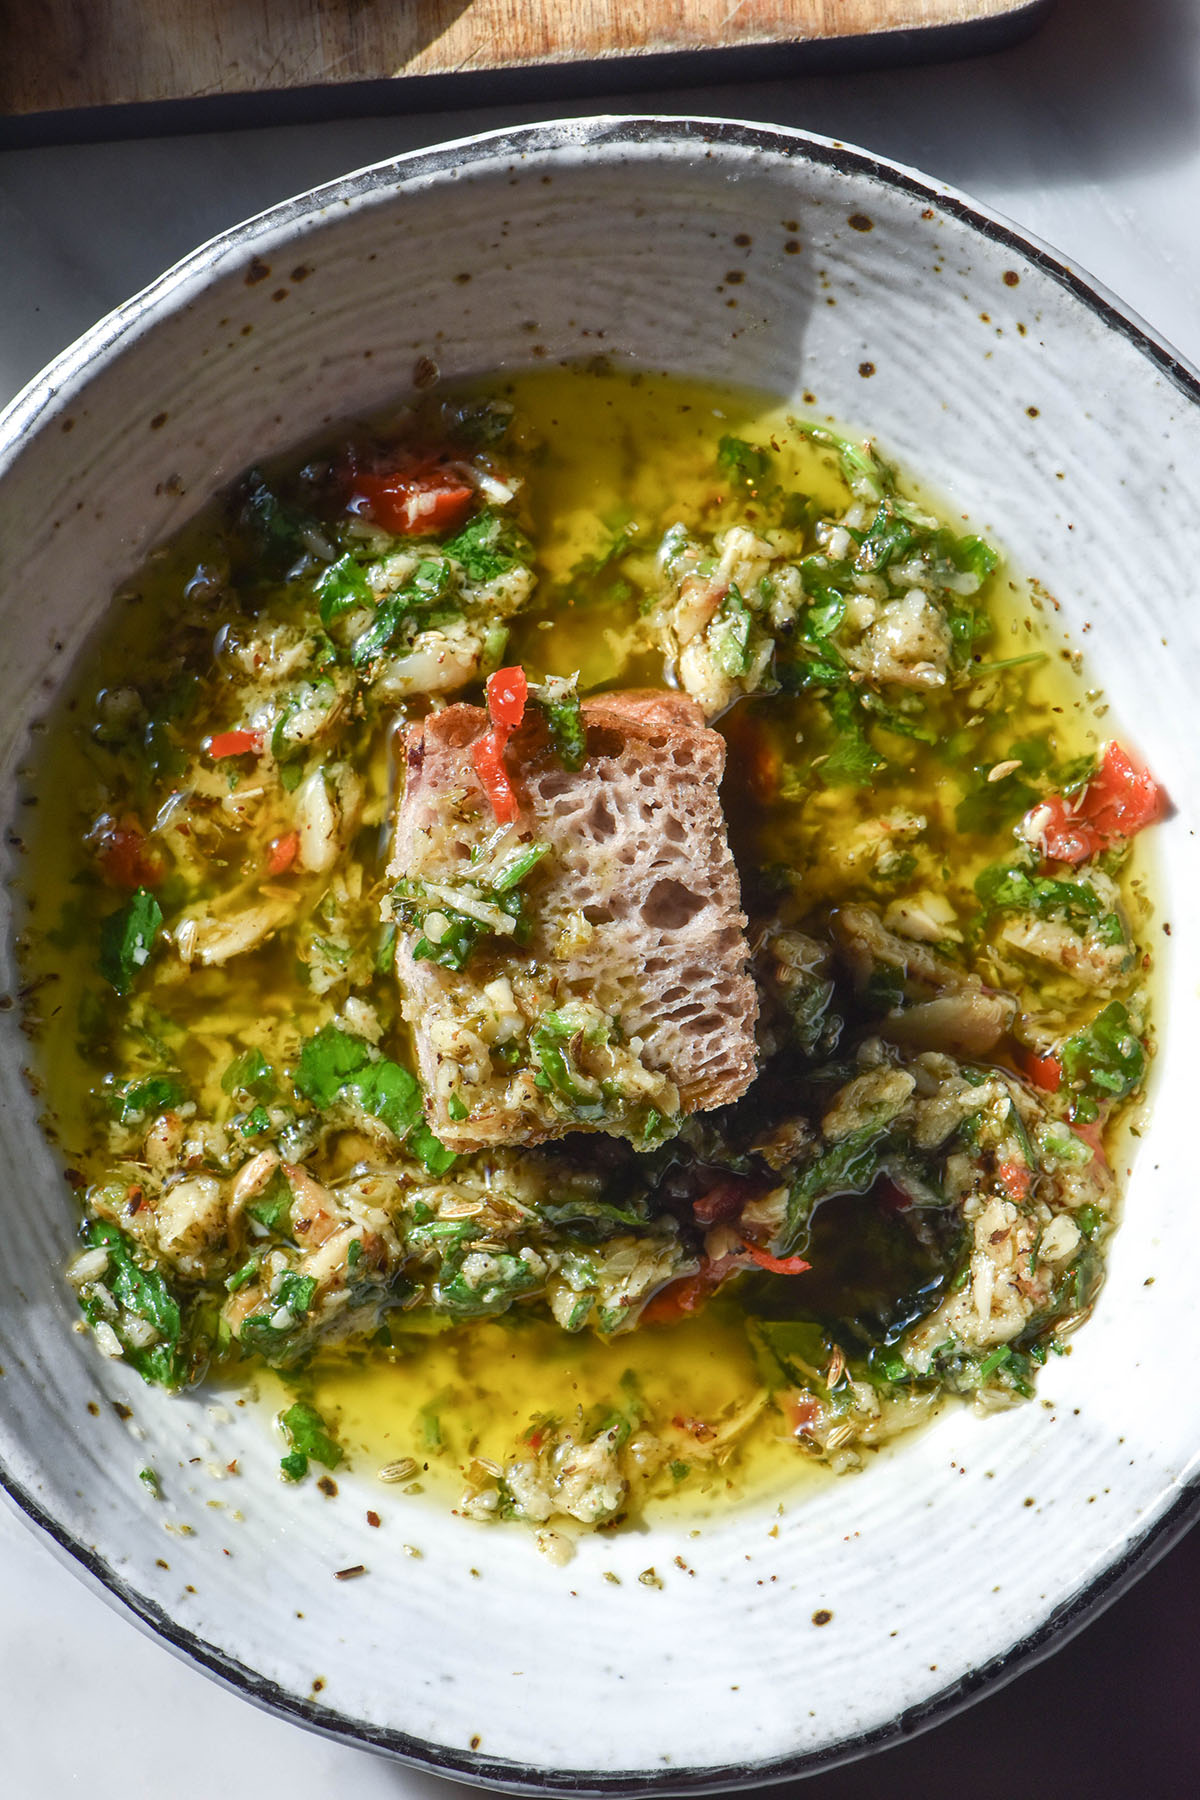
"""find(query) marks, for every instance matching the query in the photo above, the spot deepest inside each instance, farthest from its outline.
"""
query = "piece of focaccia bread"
(586, 967)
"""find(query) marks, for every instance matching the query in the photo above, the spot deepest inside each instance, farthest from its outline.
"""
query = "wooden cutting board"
(58, 54)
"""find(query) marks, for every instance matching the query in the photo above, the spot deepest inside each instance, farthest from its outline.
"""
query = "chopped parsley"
(489, 546)
(250, 1073)
(558, 698)
(127, 938)
(309, 1438)
(334, 1066)
(131, 1101)
(745, 463)
(141, 1292)
(1106, 1060)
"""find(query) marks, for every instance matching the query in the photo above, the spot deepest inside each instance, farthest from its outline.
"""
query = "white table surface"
(1088, 135)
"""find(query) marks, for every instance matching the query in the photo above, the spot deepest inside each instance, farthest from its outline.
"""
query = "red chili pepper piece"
(1045, 1072)
(487, 754)
(1088, 1132)
(421, 500)
(234, 743)
(776, 1265)
(679, 1298)
(724, 1200)
(127, 860)
(507, 693)
(889, 1193)
(283, 853)
(1122, 798)
(674, 1301)
(802, 1415)
(1015, 1179)
(1118, 801)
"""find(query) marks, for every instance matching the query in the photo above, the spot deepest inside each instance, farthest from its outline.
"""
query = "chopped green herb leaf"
(1012, 887)
(296, 1293)
(327, 1061)
(744, 462)
(250, 1073)
(487, 547)
(273, 1207)
(239, 1279)
(274, 529)
(127, 938)
(853, 762)
(341, 588)
(309, 1436)
(143, 1293)
(730, 633)
(1106, 1060)
(994, 1360)
(480, 423)
(887, 539)
(385, 954)
(558, 698)
(134, 1100)
(332, 1062)
(256, 1121)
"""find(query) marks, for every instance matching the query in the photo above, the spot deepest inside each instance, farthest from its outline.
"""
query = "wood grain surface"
(57, 54)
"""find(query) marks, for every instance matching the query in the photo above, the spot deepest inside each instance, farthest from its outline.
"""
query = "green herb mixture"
(914, 1196)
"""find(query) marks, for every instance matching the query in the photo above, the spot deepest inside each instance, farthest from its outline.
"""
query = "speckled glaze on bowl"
(777, 1641)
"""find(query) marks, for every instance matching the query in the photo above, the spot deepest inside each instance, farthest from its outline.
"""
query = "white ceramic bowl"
(1051, 417)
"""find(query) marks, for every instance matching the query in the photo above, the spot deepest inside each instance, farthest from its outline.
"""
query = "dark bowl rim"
(54, 385)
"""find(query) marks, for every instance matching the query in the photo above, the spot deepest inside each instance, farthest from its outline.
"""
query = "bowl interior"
(1037, 410)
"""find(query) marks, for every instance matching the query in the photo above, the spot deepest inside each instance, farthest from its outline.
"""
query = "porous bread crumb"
(655, 1002)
